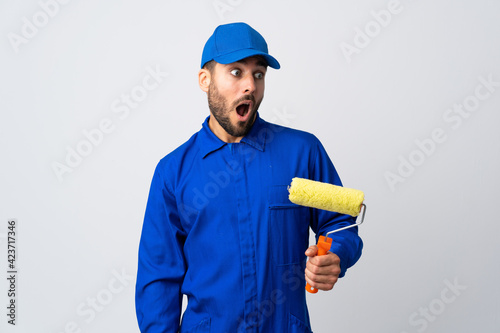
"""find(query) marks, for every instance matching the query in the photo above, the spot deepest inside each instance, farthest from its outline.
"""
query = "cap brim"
(242, 54)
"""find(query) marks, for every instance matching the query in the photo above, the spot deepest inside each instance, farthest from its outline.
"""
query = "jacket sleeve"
(161, 265)
(346, 244)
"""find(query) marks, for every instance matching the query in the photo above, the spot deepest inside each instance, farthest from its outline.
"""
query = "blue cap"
(236, 41)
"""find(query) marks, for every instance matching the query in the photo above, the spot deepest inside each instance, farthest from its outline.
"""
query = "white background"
(434, 225)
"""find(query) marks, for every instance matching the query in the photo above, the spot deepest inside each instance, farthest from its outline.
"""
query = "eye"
(259, 75)
(236, 72)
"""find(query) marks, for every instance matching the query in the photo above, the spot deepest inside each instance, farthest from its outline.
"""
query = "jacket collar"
(256, 138)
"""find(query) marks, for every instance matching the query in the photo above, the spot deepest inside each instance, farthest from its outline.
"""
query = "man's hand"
(322, 272)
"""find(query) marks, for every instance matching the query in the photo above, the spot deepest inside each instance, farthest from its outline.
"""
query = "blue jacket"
(220, 229)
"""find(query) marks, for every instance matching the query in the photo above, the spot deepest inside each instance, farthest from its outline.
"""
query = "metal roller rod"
(363, 210)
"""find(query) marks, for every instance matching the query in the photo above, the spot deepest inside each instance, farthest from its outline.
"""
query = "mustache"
(245, 98)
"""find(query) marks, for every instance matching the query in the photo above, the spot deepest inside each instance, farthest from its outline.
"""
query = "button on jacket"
(220, 229)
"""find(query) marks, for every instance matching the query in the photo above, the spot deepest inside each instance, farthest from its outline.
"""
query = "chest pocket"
(288, 227)
(297, 326)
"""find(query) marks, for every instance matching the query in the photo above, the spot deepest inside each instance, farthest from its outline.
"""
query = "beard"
(221, 110)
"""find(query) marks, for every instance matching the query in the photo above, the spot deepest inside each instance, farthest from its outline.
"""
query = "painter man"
(219, 227)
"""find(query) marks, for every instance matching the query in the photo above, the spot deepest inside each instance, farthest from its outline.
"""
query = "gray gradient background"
(439, 225)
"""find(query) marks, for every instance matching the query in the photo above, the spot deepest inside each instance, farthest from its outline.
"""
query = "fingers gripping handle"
(324, 244)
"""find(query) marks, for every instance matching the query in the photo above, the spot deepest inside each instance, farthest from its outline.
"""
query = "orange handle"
(324, 245)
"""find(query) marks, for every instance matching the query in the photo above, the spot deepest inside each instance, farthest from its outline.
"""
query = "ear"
(204, 79)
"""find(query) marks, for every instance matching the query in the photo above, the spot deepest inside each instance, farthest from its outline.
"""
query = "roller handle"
(324, 244)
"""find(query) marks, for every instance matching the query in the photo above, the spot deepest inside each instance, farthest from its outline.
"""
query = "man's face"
(234, 95)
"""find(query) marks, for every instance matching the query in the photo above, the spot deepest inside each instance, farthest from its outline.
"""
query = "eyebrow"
(259, 62)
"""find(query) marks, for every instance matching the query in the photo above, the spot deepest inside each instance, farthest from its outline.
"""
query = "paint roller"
(310, 193)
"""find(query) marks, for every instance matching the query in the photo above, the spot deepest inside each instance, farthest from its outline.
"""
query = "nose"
(249, 84)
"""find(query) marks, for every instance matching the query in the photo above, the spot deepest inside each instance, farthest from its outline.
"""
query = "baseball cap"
(236, 41)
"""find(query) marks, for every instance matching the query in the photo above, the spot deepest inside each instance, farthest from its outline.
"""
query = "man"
(219, 227)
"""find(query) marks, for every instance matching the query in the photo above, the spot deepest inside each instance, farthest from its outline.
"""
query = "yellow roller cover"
(325, 196)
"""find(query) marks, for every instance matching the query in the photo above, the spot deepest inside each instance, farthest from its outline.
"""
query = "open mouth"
(243, 108)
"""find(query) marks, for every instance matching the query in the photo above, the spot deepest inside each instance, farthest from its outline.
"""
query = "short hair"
(210, 66)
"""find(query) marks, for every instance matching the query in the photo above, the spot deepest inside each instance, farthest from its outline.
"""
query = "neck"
(219, 132)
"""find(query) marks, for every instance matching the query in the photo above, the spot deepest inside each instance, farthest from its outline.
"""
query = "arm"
(322, 272)
(161, 264)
